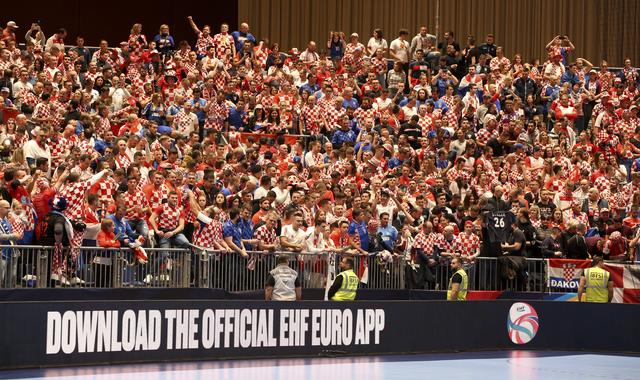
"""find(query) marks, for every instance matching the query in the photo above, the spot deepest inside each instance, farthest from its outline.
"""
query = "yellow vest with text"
(462, 290)
(347, 291)
(596, 285)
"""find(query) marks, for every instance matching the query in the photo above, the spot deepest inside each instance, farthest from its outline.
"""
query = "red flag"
(626, 282)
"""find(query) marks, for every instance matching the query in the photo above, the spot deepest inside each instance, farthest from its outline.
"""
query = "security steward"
(458, 283)
(598, 283)
(283, 283)
(345, 285)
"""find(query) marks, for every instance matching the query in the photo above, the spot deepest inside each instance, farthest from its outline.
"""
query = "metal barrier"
(214, 269)
(94, 267)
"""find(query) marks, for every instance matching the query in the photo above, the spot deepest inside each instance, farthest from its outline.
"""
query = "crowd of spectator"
(223, 141)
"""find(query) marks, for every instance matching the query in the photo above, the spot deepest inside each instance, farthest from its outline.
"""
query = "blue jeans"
(165, 260)
(175, 241)
(141, 228)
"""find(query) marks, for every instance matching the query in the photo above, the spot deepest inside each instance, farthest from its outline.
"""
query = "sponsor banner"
(565, 274)
(82, 333)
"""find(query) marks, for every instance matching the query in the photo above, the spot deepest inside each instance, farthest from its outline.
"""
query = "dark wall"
(401, 327)
(112, 20)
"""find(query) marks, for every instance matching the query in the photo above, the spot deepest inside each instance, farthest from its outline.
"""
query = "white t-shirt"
(388, 209)
(293, 237)
(315, 243)
(260, 193)
(401, 49)
(374, 44)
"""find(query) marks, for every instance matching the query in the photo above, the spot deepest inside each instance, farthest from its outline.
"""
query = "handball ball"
(522, 324)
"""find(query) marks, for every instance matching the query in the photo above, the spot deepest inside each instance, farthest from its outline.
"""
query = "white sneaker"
(148, 278)
(30, 277)
(164, 277)
(64, 281)
(77, 281)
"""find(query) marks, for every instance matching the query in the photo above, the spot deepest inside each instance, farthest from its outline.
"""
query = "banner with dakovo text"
(564, 274)
(101, 332)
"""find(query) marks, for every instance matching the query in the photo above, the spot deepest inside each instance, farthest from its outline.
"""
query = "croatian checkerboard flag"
(565, 273)
(626, 282)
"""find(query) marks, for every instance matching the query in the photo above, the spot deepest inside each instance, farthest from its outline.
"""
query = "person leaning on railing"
(103, 261)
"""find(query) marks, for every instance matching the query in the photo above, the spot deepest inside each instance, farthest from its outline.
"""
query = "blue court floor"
(520, 365)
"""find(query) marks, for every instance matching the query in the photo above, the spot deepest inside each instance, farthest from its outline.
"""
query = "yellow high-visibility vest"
(596, 285)
(347, 291)
(462, 290)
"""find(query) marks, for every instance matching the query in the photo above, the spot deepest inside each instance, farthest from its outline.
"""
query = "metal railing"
(234, 273)
(93, 267)
(490, 273)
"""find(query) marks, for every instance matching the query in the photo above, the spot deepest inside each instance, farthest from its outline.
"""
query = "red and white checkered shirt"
(105, 188)
(85, 146)
(581, 217)
(136, 43)
(495, 63)
(467, 244)
(602, 183)
(625, 127)
(445, 245)
(17, 225)
(333, 116)
(182, 121)
(92, 76)
(454, 173)
(427, 123)
(312, 118)
(169, 95)
(379, 66)
(29, 98)
(203, 43)
(216, 116)
(223, 43)
(42, 184)
(350, 60)
(103, 126)
(426, 242)
(133, 200)
(168, 217)
(484, 135)
(362, 114)
(58, 150)
(208, 233)
(74, 194)
(158, 196)
(122, 161)
(42, 111)
(288, 100)
(617, 200)
(266, 235)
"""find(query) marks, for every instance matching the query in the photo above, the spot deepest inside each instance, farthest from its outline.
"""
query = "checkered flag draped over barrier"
(568, 270)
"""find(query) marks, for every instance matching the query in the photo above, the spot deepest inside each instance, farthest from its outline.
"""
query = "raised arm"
(551, 42)
(193, 25)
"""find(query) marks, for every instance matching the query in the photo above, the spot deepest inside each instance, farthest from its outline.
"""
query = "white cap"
(12, 24)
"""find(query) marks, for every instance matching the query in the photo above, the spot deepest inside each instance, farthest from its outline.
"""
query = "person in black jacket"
(525, 86)
(576, 245)
(552, 245)
(531, 249)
